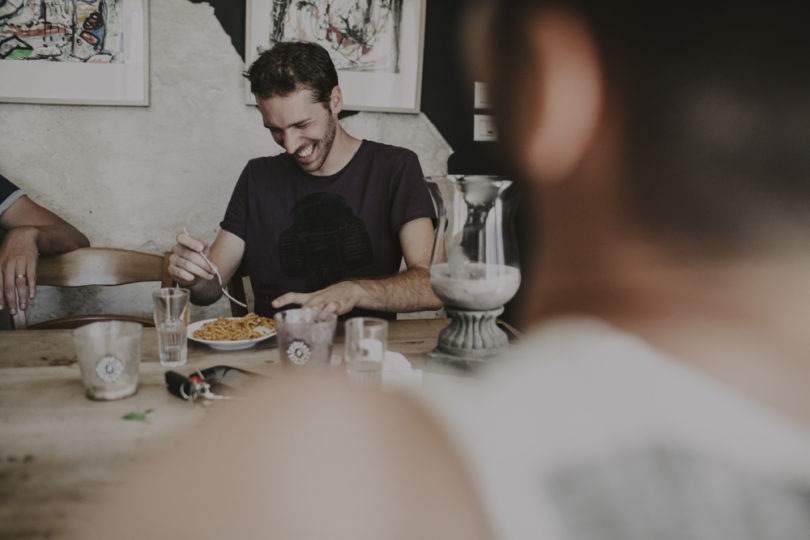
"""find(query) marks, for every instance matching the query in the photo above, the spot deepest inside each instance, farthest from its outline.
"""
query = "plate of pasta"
(232, 333)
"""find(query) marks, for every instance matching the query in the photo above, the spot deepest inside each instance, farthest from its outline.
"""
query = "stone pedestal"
(471, 338)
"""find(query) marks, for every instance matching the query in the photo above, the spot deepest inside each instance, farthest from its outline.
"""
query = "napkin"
(398, 372)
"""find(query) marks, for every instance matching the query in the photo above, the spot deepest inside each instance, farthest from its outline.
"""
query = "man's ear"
(336, 100)
(564, 98)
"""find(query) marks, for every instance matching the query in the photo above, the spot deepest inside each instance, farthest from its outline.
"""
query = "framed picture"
(87, 52)
(376, 45)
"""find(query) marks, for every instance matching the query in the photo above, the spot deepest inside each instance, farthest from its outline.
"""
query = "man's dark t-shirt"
(303, 232)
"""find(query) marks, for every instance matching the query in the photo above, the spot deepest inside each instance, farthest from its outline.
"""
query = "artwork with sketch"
(360, 35)
(62, 30)
(376, 45)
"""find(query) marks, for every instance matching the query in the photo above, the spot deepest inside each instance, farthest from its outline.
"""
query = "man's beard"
(326, 143)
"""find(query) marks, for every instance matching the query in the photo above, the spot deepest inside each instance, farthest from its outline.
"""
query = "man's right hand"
(186, 264)
(18, 268)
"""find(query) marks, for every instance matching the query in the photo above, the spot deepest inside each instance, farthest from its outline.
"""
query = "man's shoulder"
(388, 151)
(268, 161)
(260, 168)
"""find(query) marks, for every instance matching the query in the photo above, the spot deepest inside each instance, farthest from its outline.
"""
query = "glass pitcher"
(474, 266)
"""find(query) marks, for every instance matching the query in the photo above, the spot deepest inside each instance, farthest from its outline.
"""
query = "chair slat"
(97, 266)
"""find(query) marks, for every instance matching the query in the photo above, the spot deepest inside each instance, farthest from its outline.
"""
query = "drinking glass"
(109, 356)
(171, 318)
(305, 336)
(366, 343)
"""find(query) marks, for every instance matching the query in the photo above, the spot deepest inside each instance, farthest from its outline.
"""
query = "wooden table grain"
(57, 447)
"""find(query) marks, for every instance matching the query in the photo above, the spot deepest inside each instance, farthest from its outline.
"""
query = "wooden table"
(57, 447)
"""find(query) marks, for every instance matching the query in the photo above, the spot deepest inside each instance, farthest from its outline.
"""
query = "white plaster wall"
(132, 177)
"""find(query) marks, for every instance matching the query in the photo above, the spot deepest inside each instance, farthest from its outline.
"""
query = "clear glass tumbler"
(364, 352)
(171, 318)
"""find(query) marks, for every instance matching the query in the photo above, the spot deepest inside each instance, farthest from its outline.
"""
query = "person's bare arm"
(31, 230)
(189, 268)
(54, 234)
(407, 291)
(299, 459)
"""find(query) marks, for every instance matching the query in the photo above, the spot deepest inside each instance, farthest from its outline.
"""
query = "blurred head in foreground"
(688, 121)
(663, 150)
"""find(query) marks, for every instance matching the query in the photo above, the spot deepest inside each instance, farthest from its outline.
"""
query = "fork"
(219, 278)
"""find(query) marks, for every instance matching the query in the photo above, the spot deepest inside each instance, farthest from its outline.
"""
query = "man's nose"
(291, 142)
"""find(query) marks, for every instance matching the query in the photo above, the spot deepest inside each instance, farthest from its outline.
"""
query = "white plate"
(224, 345)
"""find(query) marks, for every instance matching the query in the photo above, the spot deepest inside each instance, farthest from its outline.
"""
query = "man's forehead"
(282, 111)
(301, 95)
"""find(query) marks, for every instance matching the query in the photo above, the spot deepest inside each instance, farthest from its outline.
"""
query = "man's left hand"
(339, 298)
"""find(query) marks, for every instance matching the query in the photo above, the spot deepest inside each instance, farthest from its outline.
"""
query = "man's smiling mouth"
(305, 152)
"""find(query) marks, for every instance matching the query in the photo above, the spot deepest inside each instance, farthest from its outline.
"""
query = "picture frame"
(88, 52)
(379, 64)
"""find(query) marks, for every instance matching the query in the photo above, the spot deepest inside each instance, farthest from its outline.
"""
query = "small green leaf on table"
(137, 416)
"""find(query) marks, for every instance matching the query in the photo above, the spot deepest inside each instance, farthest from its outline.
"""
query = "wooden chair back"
(97, 266)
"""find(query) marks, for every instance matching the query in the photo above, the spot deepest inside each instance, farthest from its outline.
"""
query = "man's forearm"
(407, 291)
(59, 238)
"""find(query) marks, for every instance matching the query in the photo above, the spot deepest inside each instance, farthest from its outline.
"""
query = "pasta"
(251, 326)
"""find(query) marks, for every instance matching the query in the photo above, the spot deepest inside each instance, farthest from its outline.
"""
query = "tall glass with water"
(474, 266)
(366, 340)
(171, 318)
